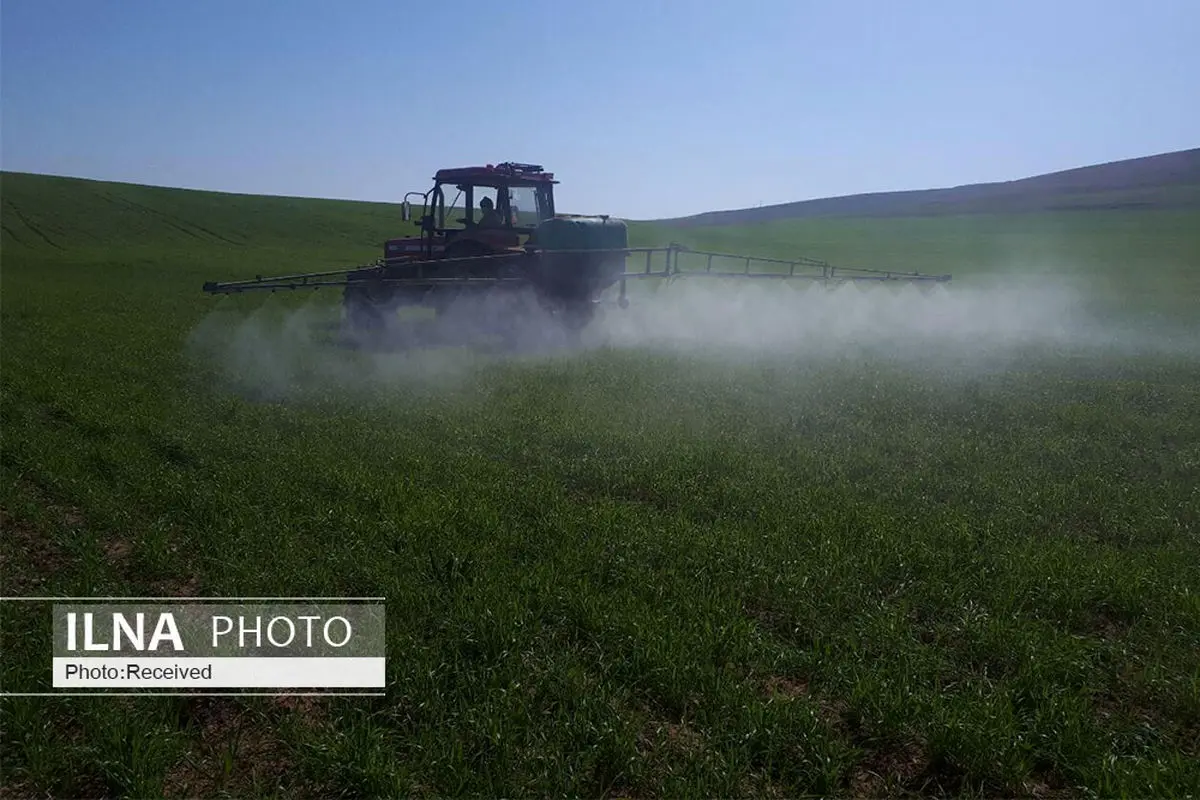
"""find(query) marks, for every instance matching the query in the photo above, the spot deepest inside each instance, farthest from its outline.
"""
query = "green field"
(912, 545)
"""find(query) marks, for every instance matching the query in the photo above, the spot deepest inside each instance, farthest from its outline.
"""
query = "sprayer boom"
(681, 261)
(672, 261)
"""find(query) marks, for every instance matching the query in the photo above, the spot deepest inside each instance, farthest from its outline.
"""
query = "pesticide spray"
(275, 350)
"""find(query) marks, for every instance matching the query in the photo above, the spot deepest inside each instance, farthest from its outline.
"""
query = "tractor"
(497, 233)
(500, 238)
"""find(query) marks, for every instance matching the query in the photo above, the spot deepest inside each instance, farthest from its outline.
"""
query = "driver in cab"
(488, 218)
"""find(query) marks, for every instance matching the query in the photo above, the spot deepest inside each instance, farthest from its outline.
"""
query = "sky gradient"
(643, 108)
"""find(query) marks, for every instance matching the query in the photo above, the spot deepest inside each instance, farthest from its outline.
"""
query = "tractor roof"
(508, 172)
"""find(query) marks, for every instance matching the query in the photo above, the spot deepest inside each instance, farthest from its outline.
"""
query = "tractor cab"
(473, 211)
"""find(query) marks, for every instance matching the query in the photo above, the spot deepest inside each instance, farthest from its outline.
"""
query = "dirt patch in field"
(890, 770)
(833, 712)
(82, 788)
(236, 752)
(177, 587)
(15, 790)
(665, 745)
(28, 555)
(788, 688)
(117, 551)
(675, 736)
(762, 786)
(312, 712)
(1108, 625)
(779, 622)
(1048, 786)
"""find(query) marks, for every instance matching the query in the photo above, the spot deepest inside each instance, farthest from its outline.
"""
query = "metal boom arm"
(755, 267)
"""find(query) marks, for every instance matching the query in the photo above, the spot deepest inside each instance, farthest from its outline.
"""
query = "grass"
(623, 572)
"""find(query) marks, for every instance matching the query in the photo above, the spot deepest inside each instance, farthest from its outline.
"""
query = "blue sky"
(643, 108)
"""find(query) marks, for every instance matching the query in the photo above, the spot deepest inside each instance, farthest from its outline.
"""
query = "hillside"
(1169, 180)
(107, 214)
(49, 215)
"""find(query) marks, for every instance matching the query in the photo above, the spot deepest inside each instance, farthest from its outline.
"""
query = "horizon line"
(234, 193)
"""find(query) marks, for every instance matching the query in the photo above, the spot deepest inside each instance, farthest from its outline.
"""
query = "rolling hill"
(1165, 181)
(51, 215)
(1168, 180)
